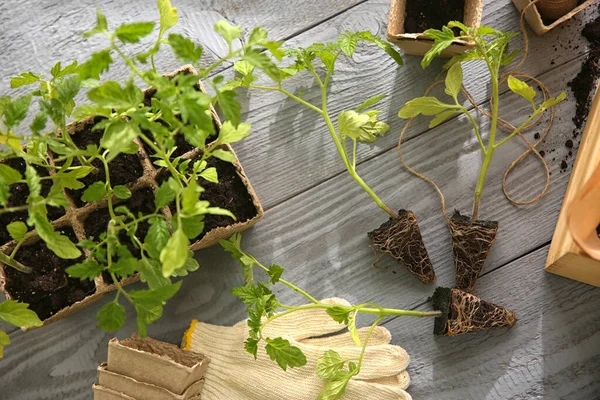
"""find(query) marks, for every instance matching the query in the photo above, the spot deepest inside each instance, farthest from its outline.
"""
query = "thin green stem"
(288, 284)
(366, 341)
(476, 128)
(6, 260)
(519, 129)
(13, 209)
(354, 154)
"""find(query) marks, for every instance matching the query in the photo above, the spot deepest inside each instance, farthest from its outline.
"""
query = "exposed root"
(401, 238)
(471, 243)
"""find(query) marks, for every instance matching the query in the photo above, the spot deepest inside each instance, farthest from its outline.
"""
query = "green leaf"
(17, 230)
(275, 272)
(454, 79)
(441, 117)
(251, 346)
(230, 134)
(441, 41)
(157, 237)
(233, 246)
(18, 314)
(243, 67)
(25, 78)
(4, 340)
(4, 192)
(126, 265)
(168, 15)
(384, 45)
(9, 175)
(522, 89)
(122, 192)
(352, 329)
(210, 174)
(96, 65)
(329, 364)
(151, 273)
(459, 25)
(286, 355)
(70, 179)
(193, 226)
(17, 111)
(164, 195)
(118, 136)
(223, 155)
(67, 89)
(95, 192)
(370, 102)
(101, 25)
(263, 62)
(423, 105)
(39, 123)
(149, 303)
(56, 197)
(111, 95)
(132, 33)
(111, 317)
(553, 101)
(190, 265)
(174, 254)
(228, 31)
(350, 123)
(334, 390)
(88, 269)
(57, 71)
(57, 243)
(33, 182)
(339, 314)
(232, 109)
(347, 43)
(185, 49)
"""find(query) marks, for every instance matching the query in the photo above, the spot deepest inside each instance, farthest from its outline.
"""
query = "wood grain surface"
(317, 217)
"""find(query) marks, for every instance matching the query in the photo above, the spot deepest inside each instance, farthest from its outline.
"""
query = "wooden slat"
(553, 352)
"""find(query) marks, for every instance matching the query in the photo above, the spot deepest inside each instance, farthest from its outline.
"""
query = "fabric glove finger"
(402, 380)
(379, 336)
(364, 390)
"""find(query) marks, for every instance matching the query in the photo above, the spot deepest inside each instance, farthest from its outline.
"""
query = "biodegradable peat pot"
(104, 393)
(401, 238)
(471, 244)
(157, 363)
(463, 313)
(48, 290)
(142, 390)
(416, 43)
(546, 15)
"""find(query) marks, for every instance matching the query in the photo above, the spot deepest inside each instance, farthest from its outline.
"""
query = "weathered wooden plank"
(553, 352)
(320, 237)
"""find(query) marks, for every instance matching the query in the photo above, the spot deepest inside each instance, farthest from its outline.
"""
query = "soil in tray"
(125, 168)
(96, 222)
(18, 197)
(47, 289)
(432, 14)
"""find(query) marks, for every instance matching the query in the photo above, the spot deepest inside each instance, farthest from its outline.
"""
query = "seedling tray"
(535, 21)
(419, 44)
(63, 296)
(565, 257)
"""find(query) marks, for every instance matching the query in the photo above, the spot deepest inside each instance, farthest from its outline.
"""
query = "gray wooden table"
(316, 216)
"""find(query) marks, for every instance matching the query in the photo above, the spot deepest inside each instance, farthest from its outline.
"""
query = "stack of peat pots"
(146, 369)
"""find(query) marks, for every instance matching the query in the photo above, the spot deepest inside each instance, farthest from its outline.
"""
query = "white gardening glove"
(234, 374)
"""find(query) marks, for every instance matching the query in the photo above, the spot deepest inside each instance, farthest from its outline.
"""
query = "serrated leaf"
(18, 314)
(223, 155)
(9, 175)
(383, 45)
(185, 49)
(111, 95)
(39, 123)
(423, 105)
(347, 43)
(157, 237)
(231, 108)
(57, 243)
(522, 89)
(98, 63)
(210, 174)
(263, 62)
(25, 78)
(132, 33)
(329, 364)
(251, 346)
(370, 102)
(119, 136)
(243, 67)
(454, 79)
(33, 182)
(101, 25)
(95, 192)
(17, 230)
(193, 226)
(17, 111)
(174, 254)
(334, 390)
(441, 41)
(151, 274)
(57, 71)
(164, 195)
(56, 197)
(553, 101)
(168, 15)
(281, 351)
(122, 192)
(111, 317)
(350, 123)
(228, 31)
(70, 179)
(88, 269)
(339, 314)
(67, 88)
(230, 134)
(275, 272)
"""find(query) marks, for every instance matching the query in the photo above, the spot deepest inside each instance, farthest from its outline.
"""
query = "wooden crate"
(565, 258)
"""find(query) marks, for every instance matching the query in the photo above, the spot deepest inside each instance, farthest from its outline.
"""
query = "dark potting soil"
(432, 14)
(584, 83)
(96, 222)
(125, 168)
(18, 197)
(47, 289)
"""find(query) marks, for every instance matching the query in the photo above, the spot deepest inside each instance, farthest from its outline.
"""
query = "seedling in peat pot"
(473, 238)
(263, 305)
(400, 236)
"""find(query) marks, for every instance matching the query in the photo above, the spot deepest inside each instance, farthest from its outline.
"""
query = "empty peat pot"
(554, 9)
